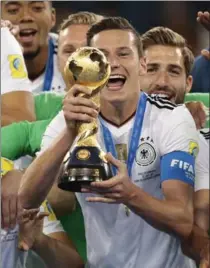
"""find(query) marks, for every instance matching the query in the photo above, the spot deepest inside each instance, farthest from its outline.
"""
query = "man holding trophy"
(135, 210)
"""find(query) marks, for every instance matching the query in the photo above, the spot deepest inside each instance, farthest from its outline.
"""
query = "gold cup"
(86, 163)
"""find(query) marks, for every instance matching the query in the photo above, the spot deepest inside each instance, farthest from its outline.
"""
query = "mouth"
(116, 82)
(164, 95)
(27, 35)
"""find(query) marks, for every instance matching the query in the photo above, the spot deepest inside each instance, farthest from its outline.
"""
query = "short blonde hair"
(167, 37)
(82, 17)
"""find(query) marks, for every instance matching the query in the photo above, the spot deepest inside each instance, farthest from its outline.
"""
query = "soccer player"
(17, 102)
(201, 68)
(169, 62)
(26, 230)
(151, 197)
(35, 20)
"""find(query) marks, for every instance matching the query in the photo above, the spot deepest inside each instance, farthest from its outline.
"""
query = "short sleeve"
(202, 166)
(14, 76)
(51, 224)
(55, 127)
(178, 143)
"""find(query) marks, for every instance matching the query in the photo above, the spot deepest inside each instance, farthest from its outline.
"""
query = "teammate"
(35, 20)
(169, 62)
(201, 68)
(47, 243)
(154, 202)
(17, 102)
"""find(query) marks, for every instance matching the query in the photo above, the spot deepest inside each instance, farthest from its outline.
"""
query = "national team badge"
(145, 154)
(193, 148)
(16, 65)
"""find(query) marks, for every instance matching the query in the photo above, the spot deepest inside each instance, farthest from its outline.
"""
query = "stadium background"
(180, 16)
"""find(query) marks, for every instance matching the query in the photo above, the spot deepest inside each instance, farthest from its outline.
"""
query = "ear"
(53, 16)
(143, 66)
(189, 83)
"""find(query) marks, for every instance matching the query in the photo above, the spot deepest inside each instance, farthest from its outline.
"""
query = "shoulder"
(168, 113)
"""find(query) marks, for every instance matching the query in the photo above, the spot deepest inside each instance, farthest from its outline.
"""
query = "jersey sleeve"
(14, 76)
(202, 166)
(53, 130)
(51, 224)
(178, 143)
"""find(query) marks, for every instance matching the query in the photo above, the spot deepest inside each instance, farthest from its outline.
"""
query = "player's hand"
(30, 228)
(199, 112)
(10, 205)
(118, 189)
(78, 107)
(204, 19)
(14, 29)
(205, 258)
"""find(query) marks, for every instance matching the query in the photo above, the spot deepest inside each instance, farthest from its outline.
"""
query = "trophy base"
(83, 167)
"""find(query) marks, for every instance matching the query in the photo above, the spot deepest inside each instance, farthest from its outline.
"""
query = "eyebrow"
(7, 3)
(155, 64)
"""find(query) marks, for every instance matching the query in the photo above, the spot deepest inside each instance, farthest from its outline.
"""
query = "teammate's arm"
(17, 102)
(17, 106)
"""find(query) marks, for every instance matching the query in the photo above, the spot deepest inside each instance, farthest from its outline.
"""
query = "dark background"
(180, 16)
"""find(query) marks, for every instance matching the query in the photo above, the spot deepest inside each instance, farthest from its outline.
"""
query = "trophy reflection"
(86, 163)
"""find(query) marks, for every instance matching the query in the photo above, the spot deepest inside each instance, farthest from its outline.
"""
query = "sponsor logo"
(187, 167)
(145, 154)
(16, 65)
(193, 148)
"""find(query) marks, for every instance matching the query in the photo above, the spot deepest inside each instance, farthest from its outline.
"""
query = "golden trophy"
(86, 162)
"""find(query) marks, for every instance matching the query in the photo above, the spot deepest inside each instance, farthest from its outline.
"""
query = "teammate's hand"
(77, 107)
(118, 189)
(10, 205)
(14, 29)
(30, 228)
(204, 19)
(198, 111)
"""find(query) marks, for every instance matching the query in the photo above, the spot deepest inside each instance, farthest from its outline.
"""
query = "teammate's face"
(35, 19)
(121, 52)
(70, 39)
(166, 73)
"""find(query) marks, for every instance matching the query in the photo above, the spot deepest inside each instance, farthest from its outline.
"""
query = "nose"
(114, 63)
(162, 79)
(26, 15)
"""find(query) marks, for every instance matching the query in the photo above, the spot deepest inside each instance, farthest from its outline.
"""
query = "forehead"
(25, 2)
(164, 54)
(113, 39)
(73, 34)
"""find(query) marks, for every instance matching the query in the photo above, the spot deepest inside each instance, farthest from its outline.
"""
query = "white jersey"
(57, 84)
(14, 75)
(113, 238)
(202, 166)
(11, 256)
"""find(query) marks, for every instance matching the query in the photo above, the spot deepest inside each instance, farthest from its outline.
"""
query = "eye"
(175, 72)
(151, 69)
(13, 11)
(38, 8)
(123, 54)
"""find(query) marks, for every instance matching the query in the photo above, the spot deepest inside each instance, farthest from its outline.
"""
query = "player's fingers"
(13, 211)
(5, 212)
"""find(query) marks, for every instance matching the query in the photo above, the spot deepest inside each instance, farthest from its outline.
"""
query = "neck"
(36, 66)
(118, 113)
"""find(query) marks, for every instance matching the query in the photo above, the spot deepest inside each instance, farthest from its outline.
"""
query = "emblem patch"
(193, 148)
(83, 154)
(145, 154)
(16, 65)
